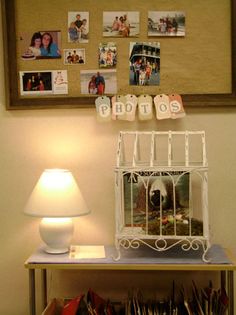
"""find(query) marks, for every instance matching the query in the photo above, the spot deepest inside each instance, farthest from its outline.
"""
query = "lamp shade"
(56, 194)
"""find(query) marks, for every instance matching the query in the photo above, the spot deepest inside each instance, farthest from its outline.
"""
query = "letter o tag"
(162, 107)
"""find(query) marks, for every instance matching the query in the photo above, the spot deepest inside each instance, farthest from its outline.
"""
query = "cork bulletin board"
(199, 64)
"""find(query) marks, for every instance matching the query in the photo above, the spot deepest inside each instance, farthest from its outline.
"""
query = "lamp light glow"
(56, 197)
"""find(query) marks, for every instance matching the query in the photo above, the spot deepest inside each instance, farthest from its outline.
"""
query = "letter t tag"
(145, 111)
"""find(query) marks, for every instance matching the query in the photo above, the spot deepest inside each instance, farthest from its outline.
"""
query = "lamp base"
(56, 234)
(56, 251)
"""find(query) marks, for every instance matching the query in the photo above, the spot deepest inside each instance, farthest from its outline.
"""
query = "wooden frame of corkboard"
(201, 66)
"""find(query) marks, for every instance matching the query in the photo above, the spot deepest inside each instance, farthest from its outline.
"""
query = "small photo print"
(98, 82)
(41, 45)
(60, 82)
(166, 23)
(43, 83)
(107, 55)
(144, 63)
(74, 56)
(33, 82)
(121, 24)
(78, 27)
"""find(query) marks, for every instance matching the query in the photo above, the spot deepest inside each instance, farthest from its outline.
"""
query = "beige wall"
(33, 140)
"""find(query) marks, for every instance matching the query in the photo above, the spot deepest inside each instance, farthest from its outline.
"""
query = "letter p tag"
(103, 107)
(104, 110)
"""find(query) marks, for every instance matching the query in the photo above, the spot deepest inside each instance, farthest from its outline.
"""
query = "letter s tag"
(176, 106)
(145, 111)
(162, 105)
(103, 108)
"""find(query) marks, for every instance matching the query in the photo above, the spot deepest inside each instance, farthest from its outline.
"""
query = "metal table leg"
(32, 307)
(44, 287)
(230, 289)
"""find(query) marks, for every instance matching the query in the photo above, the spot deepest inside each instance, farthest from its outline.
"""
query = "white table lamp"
(57, 198)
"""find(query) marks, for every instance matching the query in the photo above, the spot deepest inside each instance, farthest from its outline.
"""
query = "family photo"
(44, 82)
(170, 23)
(144, 63)
(41, 45)
(107, 56)
(78, 27)
(36, 82)
(74, 56)
(121, 24)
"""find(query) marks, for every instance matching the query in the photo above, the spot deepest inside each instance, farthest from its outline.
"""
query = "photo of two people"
(41, 45)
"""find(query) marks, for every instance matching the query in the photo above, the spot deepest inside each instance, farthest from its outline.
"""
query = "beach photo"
(144, 63)
(166, 23)
(121, 24)
(98, 82)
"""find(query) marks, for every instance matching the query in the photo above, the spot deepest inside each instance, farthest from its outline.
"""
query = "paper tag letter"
(145, 107)
(103, 107)
(176, 106)
(162, 106)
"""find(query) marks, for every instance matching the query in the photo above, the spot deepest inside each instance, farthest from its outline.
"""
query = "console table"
(221, 261)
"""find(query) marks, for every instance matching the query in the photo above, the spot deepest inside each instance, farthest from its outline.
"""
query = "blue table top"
(143, 255)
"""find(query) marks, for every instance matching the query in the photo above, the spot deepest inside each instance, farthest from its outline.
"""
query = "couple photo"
(98, 82)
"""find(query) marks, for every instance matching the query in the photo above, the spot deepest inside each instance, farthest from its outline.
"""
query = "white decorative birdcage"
(162, 191)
